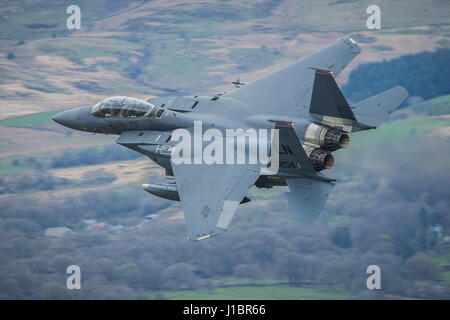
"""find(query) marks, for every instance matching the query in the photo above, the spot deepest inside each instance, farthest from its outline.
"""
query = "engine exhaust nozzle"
(344, 140)
(320, 158)
(329, 139)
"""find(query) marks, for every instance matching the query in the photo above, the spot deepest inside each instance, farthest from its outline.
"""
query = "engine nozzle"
(320, 158)
(329, 139)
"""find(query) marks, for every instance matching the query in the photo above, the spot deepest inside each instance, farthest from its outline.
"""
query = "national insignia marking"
(206, 211)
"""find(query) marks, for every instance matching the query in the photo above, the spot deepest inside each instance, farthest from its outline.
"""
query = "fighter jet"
(301, 102)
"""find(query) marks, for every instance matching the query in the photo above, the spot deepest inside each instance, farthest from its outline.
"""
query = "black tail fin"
(293, 160)
(327, 99)
(292, 156)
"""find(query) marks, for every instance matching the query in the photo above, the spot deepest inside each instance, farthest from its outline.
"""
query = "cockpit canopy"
(122, 107)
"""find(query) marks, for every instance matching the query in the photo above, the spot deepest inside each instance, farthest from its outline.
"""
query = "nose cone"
(66, 118)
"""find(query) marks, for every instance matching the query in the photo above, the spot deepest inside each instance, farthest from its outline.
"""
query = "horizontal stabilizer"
(307, 197)
(376, 109)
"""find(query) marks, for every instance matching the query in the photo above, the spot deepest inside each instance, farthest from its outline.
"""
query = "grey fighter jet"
(301, 100)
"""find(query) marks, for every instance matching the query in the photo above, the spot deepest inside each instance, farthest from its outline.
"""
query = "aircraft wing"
(210, 195)
(288, 91)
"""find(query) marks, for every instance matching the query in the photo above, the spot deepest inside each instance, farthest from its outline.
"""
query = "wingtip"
(349, 41)
(402, 94)
(199, 238)
(404, 91)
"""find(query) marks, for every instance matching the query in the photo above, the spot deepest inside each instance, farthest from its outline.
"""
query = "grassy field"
(444, 261)
(398, 131)
(32, 119)
(7, 166)
(398, 135)
(15, 164)
(443, 258)
(438, 106)
(282, 292)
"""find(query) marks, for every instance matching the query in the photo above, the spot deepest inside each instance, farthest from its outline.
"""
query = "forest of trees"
(423, 75)
(263, 242)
